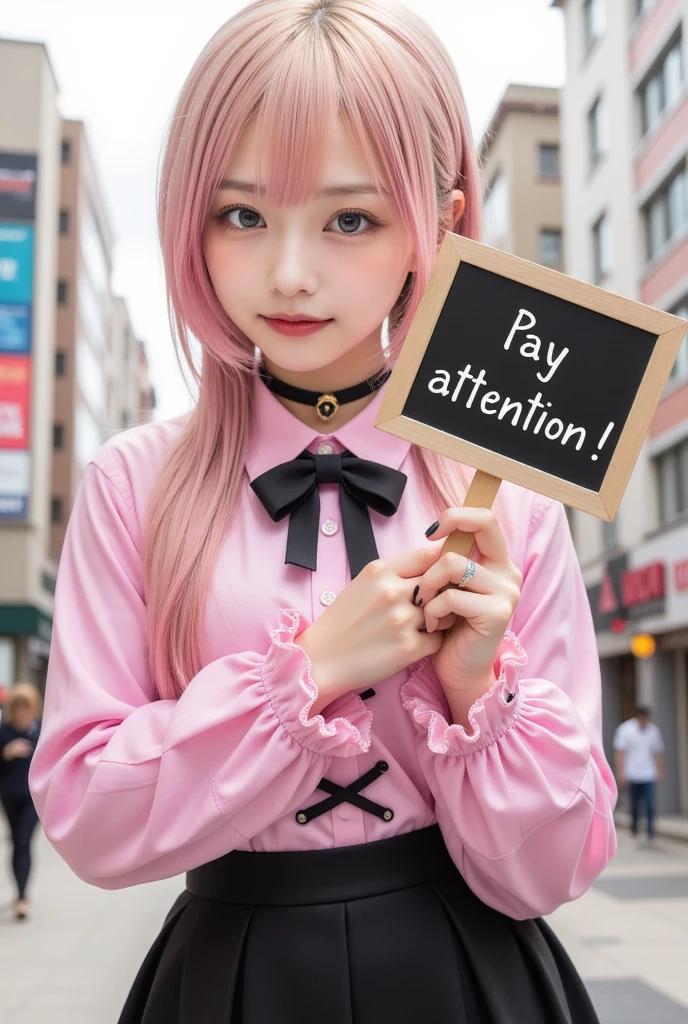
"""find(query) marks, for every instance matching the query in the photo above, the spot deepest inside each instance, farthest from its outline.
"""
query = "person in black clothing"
(19, 731)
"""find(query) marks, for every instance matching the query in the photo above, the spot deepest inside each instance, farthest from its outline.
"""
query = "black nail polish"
(415, 595)
(432, 529)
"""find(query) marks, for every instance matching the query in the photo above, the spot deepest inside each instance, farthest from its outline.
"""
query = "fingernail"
(415, 595)
(432, 529)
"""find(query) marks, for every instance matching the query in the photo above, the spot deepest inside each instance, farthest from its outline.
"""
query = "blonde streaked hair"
(294, 65)
(22, 694)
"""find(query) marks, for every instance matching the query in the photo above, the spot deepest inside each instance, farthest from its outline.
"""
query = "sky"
(120, 70)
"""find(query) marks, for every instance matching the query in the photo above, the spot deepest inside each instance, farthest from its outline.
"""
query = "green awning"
(26, 620)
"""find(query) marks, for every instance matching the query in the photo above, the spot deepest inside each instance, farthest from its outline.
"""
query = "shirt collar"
(277, 436)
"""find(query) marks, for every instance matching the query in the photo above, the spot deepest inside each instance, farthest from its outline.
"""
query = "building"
(624, 113)
(84, 317)
(520, 157)
(71, 371)
(30, 133)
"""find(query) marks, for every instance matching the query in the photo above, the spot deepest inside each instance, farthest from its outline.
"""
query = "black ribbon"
(292, 489)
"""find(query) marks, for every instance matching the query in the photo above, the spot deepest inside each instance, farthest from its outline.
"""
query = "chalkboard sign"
(531, 376)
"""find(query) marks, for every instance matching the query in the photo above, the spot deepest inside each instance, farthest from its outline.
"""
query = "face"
(22, 715)
(341, 258)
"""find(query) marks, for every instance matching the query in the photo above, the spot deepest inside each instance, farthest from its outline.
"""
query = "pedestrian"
(19, 732)
(640, 765)
(253, 676)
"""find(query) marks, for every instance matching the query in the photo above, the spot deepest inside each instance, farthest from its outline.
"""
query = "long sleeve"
(132, 788)
(525, 801)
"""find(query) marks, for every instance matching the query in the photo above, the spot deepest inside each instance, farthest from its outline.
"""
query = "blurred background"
(580, 112)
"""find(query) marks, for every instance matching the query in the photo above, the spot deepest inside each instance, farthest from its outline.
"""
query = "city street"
(73, 961)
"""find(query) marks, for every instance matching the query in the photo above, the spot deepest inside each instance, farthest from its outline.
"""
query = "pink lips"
(295, 324)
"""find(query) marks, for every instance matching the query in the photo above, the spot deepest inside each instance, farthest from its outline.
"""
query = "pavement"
(74, 960)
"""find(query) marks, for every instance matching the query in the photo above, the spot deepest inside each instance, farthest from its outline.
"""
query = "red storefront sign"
(15, 399)
(681, 575)
(642, 586)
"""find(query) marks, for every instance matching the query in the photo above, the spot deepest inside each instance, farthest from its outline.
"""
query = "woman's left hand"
(484, 606)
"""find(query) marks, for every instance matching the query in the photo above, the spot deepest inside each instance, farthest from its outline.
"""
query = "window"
(666, 215)
(496, 212)
(550, 247)
(58, 437)
(680, 367)
(64, 222)
(60, 363)
(62, 293)
(594, 19)
(597, 131)
(548, 160)
(66, 156)
(672, 467)
(602, 248)
(56, 511)
(663, 87)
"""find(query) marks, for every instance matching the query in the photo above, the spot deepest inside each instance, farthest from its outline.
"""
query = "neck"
(353, 367)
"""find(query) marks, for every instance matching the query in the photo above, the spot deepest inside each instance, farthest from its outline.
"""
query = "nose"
(291, 268)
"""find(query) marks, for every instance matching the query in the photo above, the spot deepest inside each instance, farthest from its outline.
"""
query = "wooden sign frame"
(669, 330)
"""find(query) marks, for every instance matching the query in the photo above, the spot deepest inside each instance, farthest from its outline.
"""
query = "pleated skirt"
(383, 933)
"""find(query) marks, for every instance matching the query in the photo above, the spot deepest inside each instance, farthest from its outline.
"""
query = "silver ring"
(468, 574)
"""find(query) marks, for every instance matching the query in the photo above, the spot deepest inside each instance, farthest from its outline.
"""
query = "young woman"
(253, 677)
(19, 732)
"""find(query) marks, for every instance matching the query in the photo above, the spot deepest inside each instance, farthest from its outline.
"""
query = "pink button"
(344, 812)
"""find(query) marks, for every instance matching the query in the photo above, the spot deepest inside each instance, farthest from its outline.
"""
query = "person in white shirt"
(639, 764)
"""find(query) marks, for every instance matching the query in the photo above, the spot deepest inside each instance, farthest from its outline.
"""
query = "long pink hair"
(297, 65)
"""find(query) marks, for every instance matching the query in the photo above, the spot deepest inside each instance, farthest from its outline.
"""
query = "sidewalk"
(670, 826)
(74, 960)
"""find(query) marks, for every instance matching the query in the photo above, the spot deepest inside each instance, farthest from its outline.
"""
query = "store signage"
(18, 186)
(681, 575)
(15, 327)
(15, 469)
(15, 400)
(643, 586)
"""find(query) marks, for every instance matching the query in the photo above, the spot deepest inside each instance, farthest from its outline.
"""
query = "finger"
(409, 563)
(450, 568)
(469, 606)
(480, 521)
(429, 643)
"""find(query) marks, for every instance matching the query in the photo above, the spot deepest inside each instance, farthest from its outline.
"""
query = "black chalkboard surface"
(530, 375)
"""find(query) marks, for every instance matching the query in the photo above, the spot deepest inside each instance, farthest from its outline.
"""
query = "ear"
(458, 201)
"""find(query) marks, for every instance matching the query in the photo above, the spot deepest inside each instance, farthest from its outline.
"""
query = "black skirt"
(382, 932)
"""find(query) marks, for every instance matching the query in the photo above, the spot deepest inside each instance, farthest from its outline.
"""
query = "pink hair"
(297, 65)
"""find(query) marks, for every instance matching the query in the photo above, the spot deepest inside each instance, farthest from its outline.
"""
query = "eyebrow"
(356, 188)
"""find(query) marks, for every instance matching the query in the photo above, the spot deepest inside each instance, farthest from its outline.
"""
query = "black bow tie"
(292, 489)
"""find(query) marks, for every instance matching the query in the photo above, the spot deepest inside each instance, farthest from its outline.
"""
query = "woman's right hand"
(372, 630)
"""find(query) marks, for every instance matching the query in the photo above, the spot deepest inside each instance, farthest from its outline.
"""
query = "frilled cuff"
(490, 716)
(286, 674)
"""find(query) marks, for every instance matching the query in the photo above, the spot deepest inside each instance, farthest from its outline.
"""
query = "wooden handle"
(481, 494)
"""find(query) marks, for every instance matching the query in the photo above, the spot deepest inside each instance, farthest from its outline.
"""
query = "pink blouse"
(131, 788)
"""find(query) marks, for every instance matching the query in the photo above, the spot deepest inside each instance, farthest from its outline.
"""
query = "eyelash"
(222, 218)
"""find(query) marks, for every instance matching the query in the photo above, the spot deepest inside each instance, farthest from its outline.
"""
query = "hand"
(621, 780)
(372, 630)
(17, 748)
(661, 775)
(480, 613)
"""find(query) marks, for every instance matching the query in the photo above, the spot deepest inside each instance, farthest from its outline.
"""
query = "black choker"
(326, 405)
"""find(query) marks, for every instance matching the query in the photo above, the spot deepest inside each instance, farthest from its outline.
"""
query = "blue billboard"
(16, 263)
(15, 328)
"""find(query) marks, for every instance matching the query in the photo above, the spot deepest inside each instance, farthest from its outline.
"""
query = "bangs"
(296, 121)
(310, 86)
